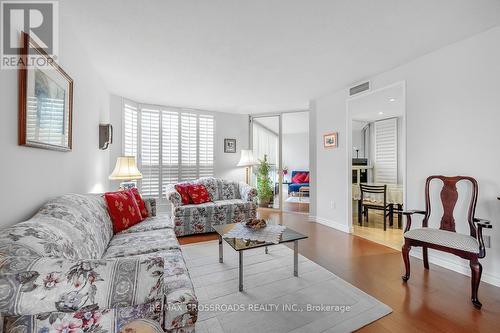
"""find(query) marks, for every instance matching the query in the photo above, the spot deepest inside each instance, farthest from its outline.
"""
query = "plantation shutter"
(130, 129)
(170, 147)
(150, 152)
(189, 143)
(386, 151)
(206, 146)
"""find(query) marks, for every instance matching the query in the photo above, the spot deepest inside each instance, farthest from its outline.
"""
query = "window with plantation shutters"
(130, 129)
(150, 152)
(206, 146)
(174, 145)
(189, 146)
(386, 151)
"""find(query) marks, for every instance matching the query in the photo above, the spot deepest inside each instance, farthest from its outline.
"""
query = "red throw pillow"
(140, 202)
(183, 191)
(123, 209)
(299, 178)
(306, 180)
(198, 194)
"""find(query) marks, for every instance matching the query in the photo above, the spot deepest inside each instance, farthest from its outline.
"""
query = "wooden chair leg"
(406, 258)
(426, 257)
(385, 219)
(391, 215)
(360, 213)
(400, 216)
(477, 270)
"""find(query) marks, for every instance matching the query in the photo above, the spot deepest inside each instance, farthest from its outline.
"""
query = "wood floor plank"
(436, 301)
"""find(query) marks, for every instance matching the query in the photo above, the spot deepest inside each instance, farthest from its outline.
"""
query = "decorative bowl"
(256, 224)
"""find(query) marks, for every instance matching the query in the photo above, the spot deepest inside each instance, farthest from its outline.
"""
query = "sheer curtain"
(265, 142)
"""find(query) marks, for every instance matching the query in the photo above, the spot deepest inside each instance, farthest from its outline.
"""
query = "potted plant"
(264, 185)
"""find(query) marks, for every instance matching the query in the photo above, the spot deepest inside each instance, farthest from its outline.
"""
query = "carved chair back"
(449, 197)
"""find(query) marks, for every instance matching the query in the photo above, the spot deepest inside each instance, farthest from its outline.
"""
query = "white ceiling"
(260, 55)
(292, 123)
(380, 104)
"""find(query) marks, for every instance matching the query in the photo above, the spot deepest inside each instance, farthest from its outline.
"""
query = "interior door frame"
(280, 145)
(349, 145)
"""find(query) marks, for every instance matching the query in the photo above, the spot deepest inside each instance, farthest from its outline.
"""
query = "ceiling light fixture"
(380, 113)
(392, 99)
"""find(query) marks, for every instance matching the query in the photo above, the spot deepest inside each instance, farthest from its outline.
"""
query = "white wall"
(296, 151)
(453, 114)
(230, 126)
(29, 175)
(227, 126)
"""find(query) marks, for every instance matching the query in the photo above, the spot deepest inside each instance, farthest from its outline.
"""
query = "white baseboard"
(455, 266)
(330, 223)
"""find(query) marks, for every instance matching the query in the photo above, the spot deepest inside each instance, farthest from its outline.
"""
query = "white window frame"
(179, 111)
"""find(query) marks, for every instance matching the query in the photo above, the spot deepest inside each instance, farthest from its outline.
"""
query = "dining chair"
(446, 238)
(367, 202)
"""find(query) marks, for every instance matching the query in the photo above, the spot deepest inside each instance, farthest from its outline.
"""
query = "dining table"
(394, 196)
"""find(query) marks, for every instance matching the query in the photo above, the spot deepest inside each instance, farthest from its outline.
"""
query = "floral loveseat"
(231, 202)
(63, 270)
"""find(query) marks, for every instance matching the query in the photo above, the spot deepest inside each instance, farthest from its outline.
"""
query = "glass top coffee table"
(240, 245)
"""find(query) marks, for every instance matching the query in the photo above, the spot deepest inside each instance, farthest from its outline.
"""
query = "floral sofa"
(63, 270)
(231, 202)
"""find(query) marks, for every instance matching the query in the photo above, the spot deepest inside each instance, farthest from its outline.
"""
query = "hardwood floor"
(434, 301)
(374, 230)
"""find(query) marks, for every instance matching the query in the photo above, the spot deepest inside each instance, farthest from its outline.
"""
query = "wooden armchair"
(445, 238)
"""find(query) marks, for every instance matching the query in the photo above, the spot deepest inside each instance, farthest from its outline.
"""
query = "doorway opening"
(283, 139)
(377, 125)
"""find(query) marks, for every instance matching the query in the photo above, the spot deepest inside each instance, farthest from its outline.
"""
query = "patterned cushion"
(161, 221)
(141, 243)
(140, 202)
(210, 184)
(444, 238)
(182, 189)
(70, 226)
(123, 209)
(198, 194)
(228, 190)
(109, 320)
(37, 285)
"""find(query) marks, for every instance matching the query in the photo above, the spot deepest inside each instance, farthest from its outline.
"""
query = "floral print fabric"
(88, 320)
(46, 286)
(37, 285)
(70, 226)
(152, 223)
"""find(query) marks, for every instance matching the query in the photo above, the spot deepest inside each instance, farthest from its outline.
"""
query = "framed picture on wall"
(230, 145)
(330, 140)
(45, 100)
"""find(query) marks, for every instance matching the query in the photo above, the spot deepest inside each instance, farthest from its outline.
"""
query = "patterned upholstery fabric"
(153, 223)
(63, 270)
(89, 320)
(140, 243)
(36, 285)
(70, 226)
(444, 238)
(235, 203)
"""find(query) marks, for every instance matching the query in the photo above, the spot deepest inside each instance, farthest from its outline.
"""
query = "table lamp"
(126, 170)
(247, 160)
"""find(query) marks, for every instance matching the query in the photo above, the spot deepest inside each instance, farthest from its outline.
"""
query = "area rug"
(304, 200)
(273, 299)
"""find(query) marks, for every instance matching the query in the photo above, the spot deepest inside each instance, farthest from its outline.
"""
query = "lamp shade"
(125, 169)
(246, 159)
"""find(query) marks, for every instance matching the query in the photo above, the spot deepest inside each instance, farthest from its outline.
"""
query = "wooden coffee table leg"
(267, 251)
(296, 258)
(241, 271)
(221, 254)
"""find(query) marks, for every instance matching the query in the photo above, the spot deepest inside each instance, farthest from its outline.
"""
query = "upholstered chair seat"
(444, 238)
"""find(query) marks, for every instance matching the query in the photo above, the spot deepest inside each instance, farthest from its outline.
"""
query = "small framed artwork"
(230, 145)
(330, 140)
(45, 101)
